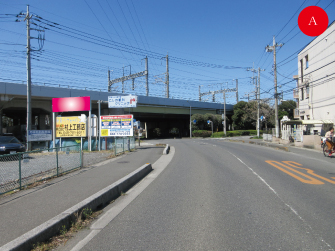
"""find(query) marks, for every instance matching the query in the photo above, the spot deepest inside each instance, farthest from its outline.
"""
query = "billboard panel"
(71, 104)
(122, 101)
(116, 125)
(70, 127)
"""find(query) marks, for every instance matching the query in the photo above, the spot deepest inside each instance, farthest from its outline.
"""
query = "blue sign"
(39, 135)
(194, 121)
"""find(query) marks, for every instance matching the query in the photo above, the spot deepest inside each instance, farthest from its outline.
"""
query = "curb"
(279, 147)
(52, 227)
(262, 143)
(166, 149)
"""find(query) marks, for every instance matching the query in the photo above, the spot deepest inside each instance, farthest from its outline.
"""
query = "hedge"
(235, 133)
(201, 133)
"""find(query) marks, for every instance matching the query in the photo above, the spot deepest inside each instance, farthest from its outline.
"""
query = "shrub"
(201, 133)
(157, 132)
(174, 131)
(235, 133)
(218, 135)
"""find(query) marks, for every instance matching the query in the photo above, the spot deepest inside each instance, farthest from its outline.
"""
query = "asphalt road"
(217, 195)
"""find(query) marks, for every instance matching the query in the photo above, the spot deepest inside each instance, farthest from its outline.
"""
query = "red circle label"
(313, 21)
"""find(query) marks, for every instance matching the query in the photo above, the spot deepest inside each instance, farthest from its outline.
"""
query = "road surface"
(218, 195)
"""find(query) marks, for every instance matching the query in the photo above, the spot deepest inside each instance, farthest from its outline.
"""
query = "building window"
(307, 64)
(302, 93)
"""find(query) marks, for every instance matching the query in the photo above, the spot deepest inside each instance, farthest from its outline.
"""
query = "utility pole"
(28, 127)
(253, 79)
(257, 94)
(224, 113)
(123, 89)
(167, 76)
(146, 76)
(259, 97)
(236, 91)
(109, 79)
(167, 95)
(270, 49)
(199, 93)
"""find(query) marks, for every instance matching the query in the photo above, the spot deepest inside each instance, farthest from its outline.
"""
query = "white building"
(315, 92)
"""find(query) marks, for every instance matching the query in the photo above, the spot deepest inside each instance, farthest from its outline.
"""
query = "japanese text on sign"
(39, 135)
(70, 127)
(116, 125)
(122, 101)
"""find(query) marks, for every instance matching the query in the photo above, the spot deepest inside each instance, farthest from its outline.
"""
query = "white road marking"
(290, 207)
(107, 217)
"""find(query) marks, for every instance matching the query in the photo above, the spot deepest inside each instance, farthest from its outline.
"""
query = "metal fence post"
(81, 158)
(114, 148)
(57, 161)
(20, 171)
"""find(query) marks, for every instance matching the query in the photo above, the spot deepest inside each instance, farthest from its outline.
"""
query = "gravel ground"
(91, 158)
(38, 166)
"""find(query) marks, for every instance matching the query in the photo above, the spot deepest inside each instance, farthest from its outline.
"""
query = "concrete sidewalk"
(25, 210)
(284, 147)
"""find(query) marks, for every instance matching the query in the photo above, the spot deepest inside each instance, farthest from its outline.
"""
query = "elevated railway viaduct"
(153, 112)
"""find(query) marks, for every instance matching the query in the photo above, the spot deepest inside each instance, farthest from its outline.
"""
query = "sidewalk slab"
(25, 210)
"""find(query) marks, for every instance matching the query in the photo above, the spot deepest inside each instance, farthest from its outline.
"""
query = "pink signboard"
(72, 104)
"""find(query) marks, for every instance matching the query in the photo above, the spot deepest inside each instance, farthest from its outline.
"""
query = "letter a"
(312, 21)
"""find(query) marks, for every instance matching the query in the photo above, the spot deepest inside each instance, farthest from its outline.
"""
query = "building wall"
(316, 82)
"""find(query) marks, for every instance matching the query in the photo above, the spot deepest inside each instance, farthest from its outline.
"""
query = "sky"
(209, 44)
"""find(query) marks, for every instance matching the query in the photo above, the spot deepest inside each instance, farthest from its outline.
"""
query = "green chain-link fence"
(22, 169)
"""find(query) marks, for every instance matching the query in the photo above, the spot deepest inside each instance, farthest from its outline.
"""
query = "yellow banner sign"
(70, 127)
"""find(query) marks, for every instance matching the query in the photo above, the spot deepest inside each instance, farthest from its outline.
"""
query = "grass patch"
(83, 220)
(257, 137)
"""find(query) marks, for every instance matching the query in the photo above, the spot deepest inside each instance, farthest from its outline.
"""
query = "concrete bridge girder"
(156, 112)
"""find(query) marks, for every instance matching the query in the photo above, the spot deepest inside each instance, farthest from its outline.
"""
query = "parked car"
(10, 145)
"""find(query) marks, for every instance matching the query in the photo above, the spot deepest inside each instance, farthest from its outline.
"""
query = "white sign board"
(39, 135)
(122, 101)
(116, 125)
